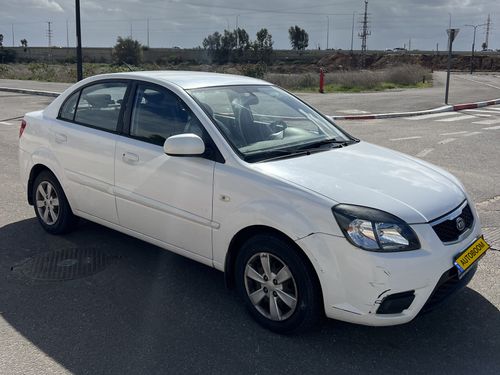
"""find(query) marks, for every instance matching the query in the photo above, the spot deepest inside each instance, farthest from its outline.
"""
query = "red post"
(321, 80)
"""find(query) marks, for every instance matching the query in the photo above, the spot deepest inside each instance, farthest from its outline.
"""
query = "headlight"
(374, 230)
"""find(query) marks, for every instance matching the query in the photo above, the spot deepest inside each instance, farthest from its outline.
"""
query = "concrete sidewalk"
(464, 88)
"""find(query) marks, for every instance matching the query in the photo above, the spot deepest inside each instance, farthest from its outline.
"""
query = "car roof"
(189, 79)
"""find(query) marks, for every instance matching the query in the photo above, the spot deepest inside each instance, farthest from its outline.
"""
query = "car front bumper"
(355, 282)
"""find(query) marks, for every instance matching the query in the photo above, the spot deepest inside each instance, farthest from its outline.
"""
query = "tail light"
(21, 129)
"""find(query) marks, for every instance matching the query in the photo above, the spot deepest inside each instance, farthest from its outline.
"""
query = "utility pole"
(237, 33)
(409, 45)
(148, 30)
(473, 45)
(488, 25)
(327, 31)
(364, 34)
(13, 39)
(49, 33)
(452, 34)
(67, 34)
(352, 32)
(79, 62)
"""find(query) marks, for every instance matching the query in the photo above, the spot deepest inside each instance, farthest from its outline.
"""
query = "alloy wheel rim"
(47, 202)
(270, 286)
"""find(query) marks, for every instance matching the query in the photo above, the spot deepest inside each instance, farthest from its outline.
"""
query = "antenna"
(365, 32)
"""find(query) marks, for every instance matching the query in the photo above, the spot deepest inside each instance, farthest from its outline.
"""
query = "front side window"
(264, 122)
(100, 105)
(158, 114)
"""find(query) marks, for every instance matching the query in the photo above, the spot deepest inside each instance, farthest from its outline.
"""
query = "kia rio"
(233, 172)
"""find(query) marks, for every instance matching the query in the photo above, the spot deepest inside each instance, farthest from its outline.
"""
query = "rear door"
(84, 140)
(163, 197)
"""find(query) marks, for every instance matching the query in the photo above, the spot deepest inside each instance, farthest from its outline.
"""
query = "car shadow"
(149, 311)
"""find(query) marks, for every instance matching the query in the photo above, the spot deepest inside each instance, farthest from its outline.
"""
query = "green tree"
(127, 51)
(263, 45)
(484, 46)
(24, 44)
(242, 40)
(1, 40)
(299, 39)
(212, 42)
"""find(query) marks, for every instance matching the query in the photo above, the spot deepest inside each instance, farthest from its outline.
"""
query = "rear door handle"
(61, 138)
(130, 157)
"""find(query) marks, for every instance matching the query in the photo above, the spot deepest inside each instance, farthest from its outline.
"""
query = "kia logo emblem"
(460, 223)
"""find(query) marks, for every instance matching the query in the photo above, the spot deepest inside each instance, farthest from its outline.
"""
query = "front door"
(163, 197)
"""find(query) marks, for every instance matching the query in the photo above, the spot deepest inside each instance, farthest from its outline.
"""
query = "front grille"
(448, 284)
(448, 230)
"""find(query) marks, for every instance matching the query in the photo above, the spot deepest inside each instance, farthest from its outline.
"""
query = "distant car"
(399, 49)
(487, 50)
(235, 173)
(388, 50)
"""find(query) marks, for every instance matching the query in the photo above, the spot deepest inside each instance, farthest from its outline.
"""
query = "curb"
(31, 92)
(446, 108)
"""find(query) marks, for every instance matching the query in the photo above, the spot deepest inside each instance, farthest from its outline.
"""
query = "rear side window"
(69, 106)
(100, 105)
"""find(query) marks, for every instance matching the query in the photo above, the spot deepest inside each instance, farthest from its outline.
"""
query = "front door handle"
(130, 157)
(61, 138)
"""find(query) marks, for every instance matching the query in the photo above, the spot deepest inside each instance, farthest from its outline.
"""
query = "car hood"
(368, 175)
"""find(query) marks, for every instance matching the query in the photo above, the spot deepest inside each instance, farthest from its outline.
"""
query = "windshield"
(264, 122)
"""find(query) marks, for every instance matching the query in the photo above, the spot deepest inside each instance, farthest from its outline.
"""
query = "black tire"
(307, 311)
(64, 221)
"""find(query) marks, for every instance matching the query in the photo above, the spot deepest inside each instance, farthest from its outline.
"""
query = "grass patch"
(404, 76)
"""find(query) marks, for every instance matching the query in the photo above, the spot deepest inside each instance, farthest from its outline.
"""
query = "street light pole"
(473, 45)
(79, 64)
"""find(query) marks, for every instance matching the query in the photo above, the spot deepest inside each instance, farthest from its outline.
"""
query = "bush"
(7, 56)
(127, 51)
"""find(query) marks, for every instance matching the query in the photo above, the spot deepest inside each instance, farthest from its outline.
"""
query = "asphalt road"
(152, 312)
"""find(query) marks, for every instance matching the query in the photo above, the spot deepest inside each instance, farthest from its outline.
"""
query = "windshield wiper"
(323, 142)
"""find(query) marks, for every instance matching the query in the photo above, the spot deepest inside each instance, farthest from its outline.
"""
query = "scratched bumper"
(354, 281)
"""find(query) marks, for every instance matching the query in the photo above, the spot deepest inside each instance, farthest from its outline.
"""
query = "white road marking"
(492, 128)
(457, 118)
(495, 109)
(481, 111)
(431, 115)
(447, 140)
(463, 132)
(6, 123)
(479, 82)
(472, 133)
(404, 138)
(424, 152)
(488, 122)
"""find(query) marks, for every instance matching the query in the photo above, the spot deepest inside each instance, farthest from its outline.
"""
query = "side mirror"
(184, 145)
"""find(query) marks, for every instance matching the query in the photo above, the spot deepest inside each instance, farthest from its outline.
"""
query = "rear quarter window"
(100, 105)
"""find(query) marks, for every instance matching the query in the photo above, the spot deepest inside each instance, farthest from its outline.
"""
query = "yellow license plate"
(471, 255)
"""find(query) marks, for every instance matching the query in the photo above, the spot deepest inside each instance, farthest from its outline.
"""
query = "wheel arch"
(246, 233)
(34, 172)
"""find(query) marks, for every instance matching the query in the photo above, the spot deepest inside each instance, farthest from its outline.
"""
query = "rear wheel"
(51, 206)
(277, 285)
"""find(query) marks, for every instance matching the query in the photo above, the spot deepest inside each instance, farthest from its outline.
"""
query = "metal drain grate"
(66, 264)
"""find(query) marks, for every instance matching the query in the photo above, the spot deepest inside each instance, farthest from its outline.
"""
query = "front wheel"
(277, 285)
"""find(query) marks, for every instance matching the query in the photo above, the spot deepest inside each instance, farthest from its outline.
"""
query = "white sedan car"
(233, 172)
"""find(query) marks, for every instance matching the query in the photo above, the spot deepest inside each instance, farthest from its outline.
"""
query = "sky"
(393, 23)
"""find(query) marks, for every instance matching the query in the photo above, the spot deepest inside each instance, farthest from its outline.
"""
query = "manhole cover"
(66, 264)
